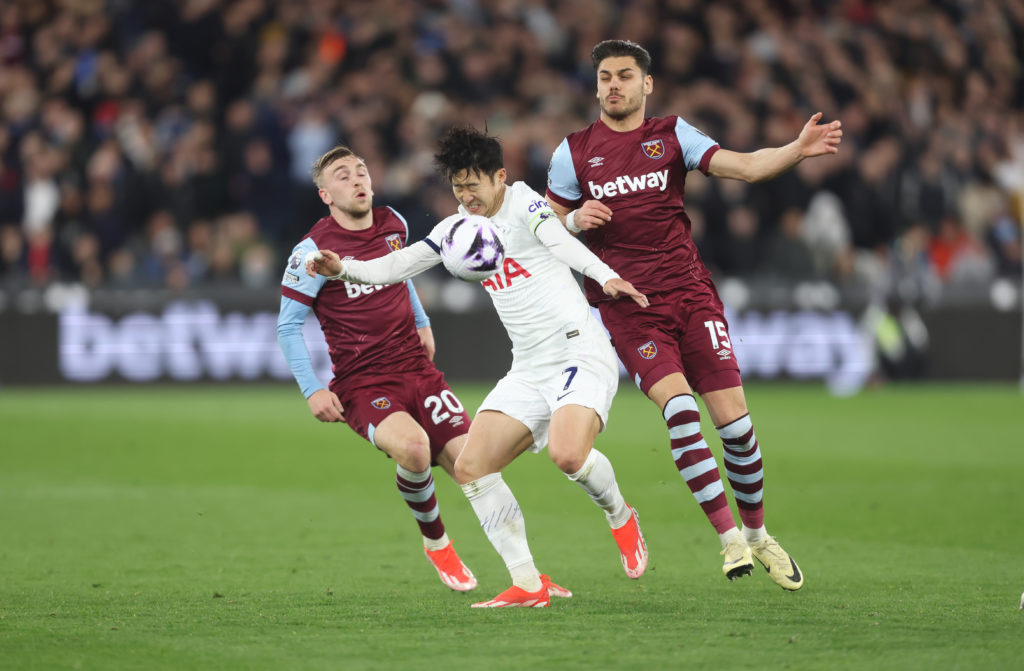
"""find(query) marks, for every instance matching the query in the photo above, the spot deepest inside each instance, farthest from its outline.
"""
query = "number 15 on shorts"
(719, 335)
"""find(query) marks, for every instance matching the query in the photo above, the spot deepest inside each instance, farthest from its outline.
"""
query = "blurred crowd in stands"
(167, 143)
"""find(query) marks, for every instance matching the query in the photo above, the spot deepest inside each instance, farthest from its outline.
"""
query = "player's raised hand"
(817, 139)
(618, 287)
(592, 214)
(325, 406)
(324, 262)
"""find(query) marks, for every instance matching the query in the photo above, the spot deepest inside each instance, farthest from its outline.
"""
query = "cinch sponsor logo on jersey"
(648, 350)
(394, 242)
(653, 148)
(536, 205)
(627, 184)
(381, 403)
(503, 280)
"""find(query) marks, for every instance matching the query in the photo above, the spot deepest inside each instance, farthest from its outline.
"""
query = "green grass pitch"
(224, 528)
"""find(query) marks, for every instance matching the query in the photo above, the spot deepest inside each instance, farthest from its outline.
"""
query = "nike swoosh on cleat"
(796, 571)
(795, 577)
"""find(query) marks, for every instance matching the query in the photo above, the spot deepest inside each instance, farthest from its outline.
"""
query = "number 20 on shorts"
(437, 404)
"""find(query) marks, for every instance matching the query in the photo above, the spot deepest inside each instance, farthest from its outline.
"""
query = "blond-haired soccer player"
(381, 348)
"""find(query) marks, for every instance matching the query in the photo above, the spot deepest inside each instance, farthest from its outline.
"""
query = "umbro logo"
(596, 161)
(724, 354)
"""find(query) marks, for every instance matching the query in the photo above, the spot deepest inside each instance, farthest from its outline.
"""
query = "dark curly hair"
(466, 148)
(614, 48)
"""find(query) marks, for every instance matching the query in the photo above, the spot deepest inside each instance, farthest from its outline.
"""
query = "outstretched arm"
(397, 266)
(815, 140)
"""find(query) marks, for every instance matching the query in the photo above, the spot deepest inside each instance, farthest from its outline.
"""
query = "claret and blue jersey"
(368, 328)
(641, 176)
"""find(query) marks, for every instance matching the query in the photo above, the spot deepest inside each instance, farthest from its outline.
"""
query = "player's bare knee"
(412, 453)
(468, 469)
(568, 458)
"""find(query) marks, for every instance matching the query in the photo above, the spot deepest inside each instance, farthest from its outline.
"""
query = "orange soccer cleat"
(517, 597)
(632, 547)
(450, 568)
(554, 589)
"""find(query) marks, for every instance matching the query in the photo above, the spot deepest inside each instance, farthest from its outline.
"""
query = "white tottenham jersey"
(535, 294)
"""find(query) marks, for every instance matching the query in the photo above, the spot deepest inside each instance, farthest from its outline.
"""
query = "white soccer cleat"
(780, 566)
(738, 561)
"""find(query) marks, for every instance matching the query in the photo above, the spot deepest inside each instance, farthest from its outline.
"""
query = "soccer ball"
(472, 249)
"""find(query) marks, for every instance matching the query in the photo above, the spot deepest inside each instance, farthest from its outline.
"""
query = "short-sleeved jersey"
(370, 329)
(535, 294)
(641, 176)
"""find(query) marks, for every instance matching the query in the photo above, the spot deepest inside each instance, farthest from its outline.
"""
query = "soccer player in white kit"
(564, 372)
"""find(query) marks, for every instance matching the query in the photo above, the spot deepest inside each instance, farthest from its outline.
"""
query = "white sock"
(729, 535)
(502, 522)
(434, 544)
(597, 478)
(755, 535)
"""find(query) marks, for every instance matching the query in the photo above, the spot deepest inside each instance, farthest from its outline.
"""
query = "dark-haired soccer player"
(385, 385)
(563, 376)
(621, 180)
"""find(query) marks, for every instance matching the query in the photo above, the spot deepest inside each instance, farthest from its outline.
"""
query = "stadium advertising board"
(196, 341)
(200, 341)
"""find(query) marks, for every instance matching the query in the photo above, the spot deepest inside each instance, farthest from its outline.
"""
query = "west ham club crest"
(381, 403)
(648, 350)
(653, 148)
(394, 241)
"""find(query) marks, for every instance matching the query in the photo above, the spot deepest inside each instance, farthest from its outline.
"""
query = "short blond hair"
(319, 165)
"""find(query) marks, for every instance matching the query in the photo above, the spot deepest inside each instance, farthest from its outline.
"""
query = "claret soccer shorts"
(682, 331)
(423, 394)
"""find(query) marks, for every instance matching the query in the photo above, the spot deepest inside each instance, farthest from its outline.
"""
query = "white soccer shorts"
(577, 370)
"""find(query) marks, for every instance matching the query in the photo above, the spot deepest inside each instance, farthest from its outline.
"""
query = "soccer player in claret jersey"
(564, 373)
(621, 180)
(385, 385)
